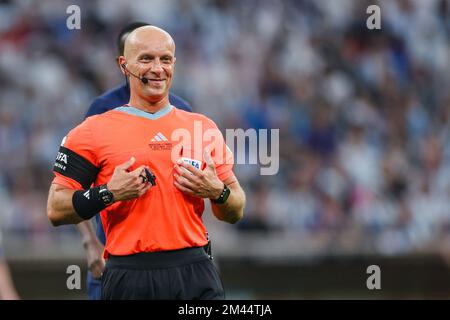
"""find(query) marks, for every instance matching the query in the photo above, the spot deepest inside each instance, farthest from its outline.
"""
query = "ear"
(122, 63)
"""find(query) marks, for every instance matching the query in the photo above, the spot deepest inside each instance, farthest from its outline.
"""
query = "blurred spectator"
(364, 116)
(7, 289)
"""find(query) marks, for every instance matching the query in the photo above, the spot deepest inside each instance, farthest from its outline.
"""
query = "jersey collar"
(140, 113)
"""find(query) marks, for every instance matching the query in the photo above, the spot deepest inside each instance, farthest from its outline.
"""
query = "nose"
(156, 67)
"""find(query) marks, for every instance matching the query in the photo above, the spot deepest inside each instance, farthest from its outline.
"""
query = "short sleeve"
(220, 152)
(76, 164)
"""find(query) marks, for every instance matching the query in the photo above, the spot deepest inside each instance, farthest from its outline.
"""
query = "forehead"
(154, 45)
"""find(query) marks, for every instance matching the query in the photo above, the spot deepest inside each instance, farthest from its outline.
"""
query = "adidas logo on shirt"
(86, 194)
(159, 137)
(160, 143)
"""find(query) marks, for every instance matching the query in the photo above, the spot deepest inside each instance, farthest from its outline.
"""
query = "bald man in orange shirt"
(147, 167)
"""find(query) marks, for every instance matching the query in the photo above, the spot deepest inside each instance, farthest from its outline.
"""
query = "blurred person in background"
(7, 289)
(158, 235)
(94, 241)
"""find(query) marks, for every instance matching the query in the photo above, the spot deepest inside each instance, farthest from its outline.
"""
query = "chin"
(156, 92)
(154, 96)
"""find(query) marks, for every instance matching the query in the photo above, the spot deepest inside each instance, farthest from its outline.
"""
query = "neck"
(148, 106)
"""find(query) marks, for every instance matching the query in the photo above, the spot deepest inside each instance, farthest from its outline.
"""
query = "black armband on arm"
(87, 203)
(75, 167)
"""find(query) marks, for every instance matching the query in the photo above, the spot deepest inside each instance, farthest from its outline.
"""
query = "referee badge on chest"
(189, 156)
(195, 163)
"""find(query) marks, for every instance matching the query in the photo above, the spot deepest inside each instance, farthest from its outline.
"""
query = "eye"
(166, 59)
(145, 58)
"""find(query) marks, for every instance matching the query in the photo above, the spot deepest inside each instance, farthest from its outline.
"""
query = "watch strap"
(223, 196)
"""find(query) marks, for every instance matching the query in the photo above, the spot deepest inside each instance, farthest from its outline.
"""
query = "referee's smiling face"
(150, 53)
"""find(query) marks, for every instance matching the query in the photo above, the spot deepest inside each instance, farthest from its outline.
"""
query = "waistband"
(159, 259)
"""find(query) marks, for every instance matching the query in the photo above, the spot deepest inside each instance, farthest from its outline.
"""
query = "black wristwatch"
(105, 195)
(223, 196)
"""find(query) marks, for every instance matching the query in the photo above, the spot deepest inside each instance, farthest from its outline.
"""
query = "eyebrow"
(146, 54)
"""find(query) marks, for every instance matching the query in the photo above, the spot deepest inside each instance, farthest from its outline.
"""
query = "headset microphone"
(144, 80)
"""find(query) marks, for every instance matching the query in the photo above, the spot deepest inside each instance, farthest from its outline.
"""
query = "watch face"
(106, 196)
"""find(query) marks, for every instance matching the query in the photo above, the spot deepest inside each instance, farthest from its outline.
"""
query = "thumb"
(126, 165)
(208, 159)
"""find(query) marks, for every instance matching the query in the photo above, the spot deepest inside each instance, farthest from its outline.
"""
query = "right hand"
(126, 185)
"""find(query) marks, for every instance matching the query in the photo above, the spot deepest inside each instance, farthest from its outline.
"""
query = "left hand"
(199, 183)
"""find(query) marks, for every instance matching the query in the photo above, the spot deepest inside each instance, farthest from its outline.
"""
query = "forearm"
(59, 206)
(87, 232)
(233, 209)
(93, 247)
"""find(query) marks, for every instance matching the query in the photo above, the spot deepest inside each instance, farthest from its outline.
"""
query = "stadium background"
(364, 122)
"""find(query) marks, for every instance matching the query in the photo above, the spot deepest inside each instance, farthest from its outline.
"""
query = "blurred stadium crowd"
(364, 115)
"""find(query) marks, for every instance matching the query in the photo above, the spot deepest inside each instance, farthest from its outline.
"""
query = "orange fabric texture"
(164, 218)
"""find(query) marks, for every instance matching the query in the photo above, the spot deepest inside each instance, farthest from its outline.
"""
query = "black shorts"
(186, 274)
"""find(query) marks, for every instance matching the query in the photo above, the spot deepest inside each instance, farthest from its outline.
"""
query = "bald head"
(149, 53)
(148, 36)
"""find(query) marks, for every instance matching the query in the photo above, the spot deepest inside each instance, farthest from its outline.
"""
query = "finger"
(183, 189)
(189, 168)
(187, 176)
(135, 182)
(138, 171)
(145, 189)
(185, 182)
(183, 171)
(147, 176)
(143, 178)
(143, 185)
(126, 165)
(208, 159)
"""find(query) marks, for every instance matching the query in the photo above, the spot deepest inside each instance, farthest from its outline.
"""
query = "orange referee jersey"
(164, 218)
